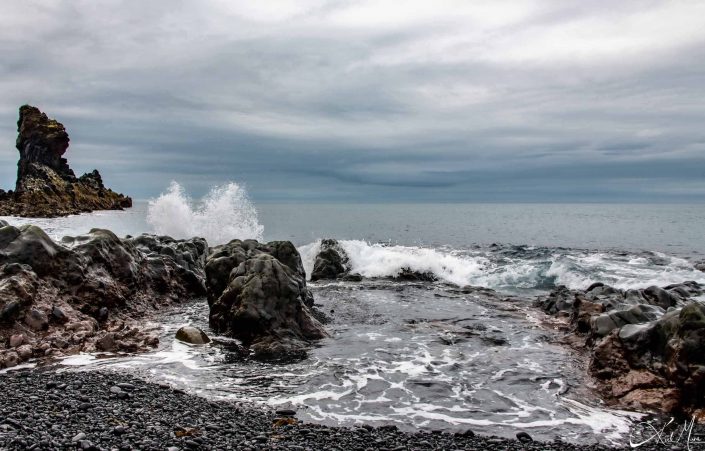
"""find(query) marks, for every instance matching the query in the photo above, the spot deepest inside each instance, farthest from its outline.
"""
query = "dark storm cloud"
(361, 101)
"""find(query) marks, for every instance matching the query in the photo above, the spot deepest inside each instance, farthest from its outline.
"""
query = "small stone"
(10, 310)
(78, 437)
(286, 412)
(36, 320)
(465, 433)
(16, 340)
(524, 437)
(11, 359)
(103, 314)
(24, 352)
(58, 315)
(107, 342)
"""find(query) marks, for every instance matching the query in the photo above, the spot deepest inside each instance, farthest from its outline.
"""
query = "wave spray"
(224, 214)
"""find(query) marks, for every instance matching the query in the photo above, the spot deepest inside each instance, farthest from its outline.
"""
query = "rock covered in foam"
(646, 344)
(331, 262)
(46, 186)
(257, 293)
(88, 291)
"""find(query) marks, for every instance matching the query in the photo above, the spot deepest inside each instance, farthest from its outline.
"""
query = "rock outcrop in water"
(46, 186)
(331, 262)
(88, 292)
(257, 293)
(646, 345)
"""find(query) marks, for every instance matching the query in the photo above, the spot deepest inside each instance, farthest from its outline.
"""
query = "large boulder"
(46, 186)
(224, 258)
(257, 293)
(83, 293)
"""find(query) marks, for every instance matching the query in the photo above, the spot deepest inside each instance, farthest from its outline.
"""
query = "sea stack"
(46, 186)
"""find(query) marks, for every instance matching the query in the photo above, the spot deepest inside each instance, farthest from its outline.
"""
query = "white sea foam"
(225, 213)
(575, 269)
(378, 260)
(580, 271)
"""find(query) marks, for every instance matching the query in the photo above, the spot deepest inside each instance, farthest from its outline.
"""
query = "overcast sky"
(368, 100)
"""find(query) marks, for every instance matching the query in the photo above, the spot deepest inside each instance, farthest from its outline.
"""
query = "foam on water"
(622, 271)
(529, 269)
(380, 260)
(225, 213)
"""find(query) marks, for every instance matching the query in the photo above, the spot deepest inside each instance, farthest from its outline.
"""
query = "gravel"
(91, 410)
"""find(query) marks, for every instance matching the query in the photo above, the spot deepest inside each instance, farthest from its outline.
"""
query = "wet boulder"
(331, 262)
(29, 245)
(560, 300)
(192, 335)
(223, 259)
(410, 275)
(265, 302)
(604, 323)
(167, 258)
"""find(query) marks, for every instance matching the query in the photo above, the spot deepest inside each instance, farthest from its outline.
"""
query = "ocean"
(420, 354)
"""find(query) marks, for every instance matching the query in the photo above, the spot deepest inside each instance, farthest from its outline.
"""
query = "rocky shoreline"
(113, 411)
(645, 345)
(91, 293)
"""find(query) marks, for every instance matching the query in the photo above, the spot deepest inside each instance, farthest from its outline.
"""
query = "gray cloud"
(362, 101)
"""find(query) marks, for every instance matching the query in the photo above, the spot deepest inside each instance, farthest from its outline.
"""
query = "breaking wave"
(515, 268)
(225, 213)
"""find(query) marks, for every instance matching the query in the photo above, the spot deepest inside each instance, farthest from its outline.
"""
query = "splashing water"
(224, 214)
(525, 268)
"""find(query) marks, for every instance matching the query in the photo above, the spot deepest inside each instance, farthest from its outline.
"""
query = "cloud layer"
(344, 100)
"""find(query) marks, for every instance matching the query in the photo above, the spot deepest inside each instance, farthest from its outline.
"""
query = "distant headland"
(46, 186)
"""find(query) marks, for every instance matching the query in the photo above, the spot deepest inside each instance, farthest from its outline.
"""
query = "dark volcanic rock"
(193, 335)
(257, 293)
(46, 186)
(407, 274)
(646, 344)
(44, 410)
(331, 262)
(81, 294)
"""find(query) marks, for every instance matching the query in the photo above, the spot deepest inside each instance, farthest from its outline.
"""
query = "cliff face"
(46, 186)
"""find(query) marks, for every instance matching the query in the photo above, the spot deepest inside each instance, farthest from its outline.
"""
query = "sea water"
(420, 355)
